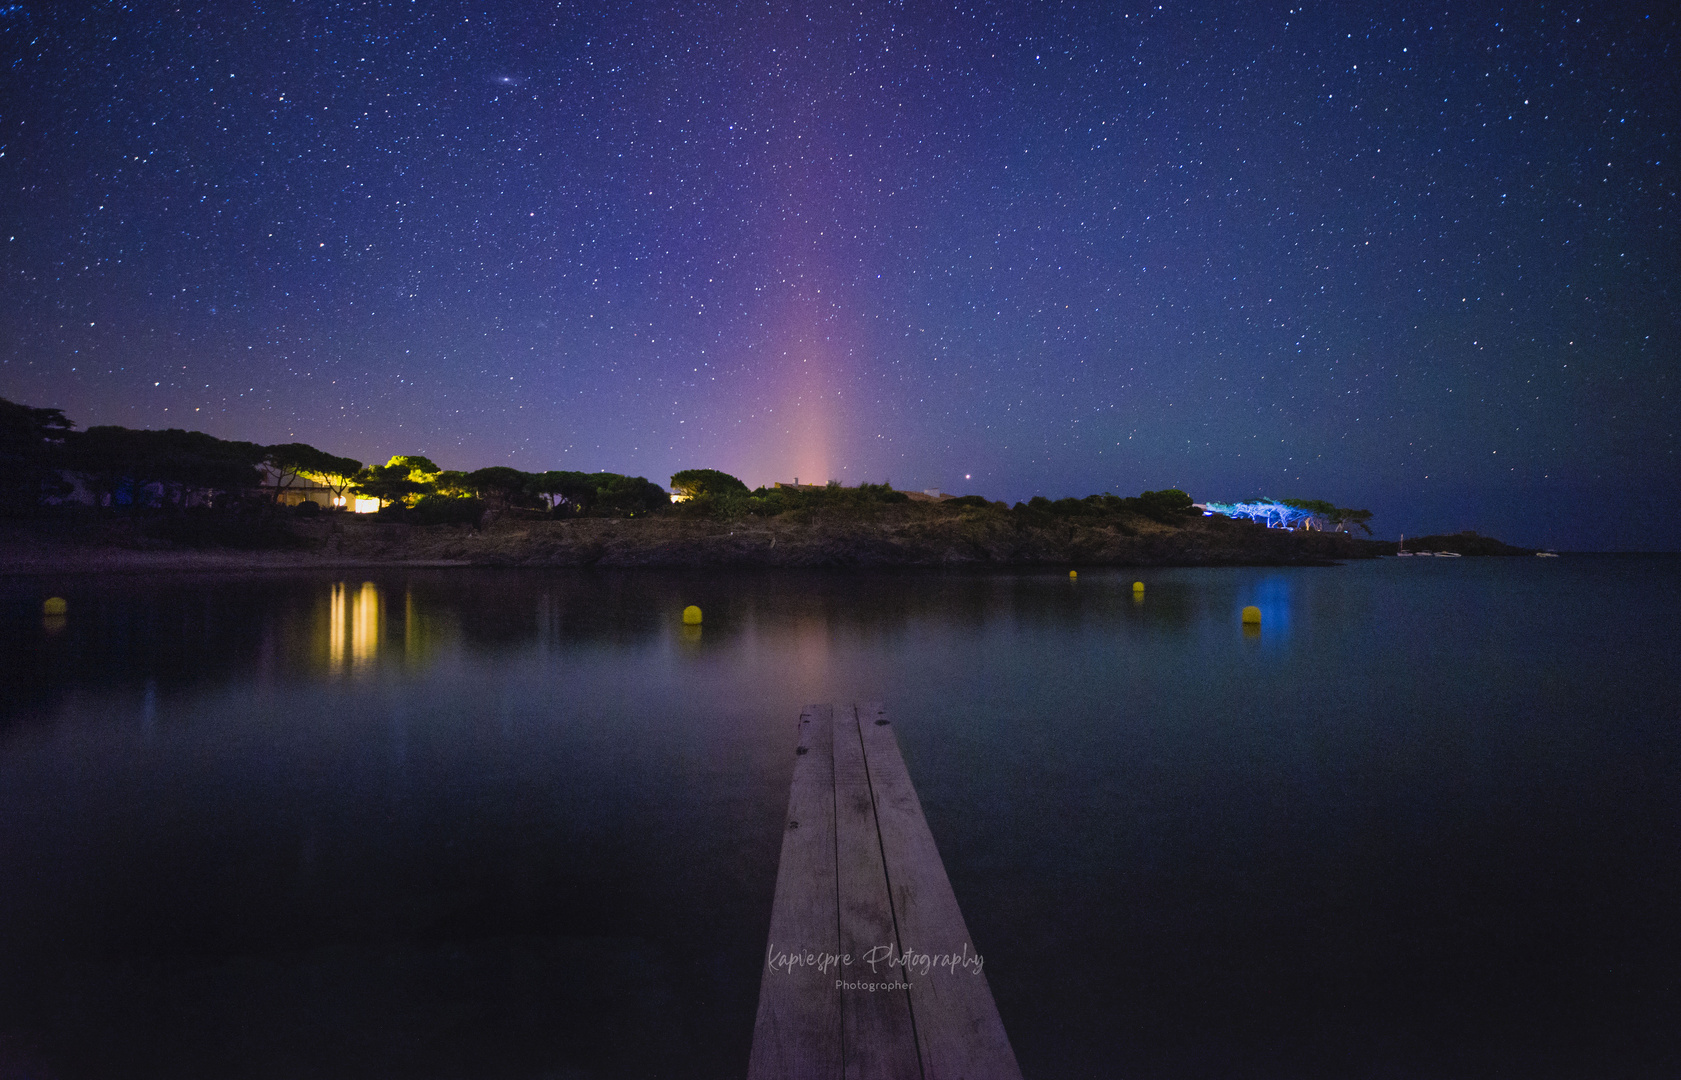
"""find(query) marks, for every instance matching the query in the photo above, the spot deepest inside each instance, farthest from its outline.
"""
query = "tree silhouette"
(289, 462)
(501, 487)
(174, 468)
(31, 452)
(697, 482)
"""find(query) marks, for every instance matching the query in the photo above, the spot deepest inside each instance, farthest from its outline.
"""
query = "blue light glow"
(1269, 512)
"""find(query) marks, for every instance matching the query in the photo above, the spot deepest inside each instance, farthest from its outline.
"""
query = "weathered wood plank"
(798, 1032)
(877, 1035)
(958, 1031)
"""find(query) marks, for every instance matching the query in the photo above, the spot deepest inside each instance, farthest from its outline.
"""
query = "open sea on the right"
(1423, 822)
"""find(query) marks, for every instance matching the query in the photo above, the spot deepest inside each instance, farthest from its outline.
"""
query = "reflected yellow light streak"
(411, 629)
(364, 626)
(335, 628)
(353, 626)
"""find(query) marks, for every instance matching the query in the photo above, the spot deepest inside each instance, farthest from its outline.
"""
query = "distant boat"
(1546, 554)
(1402, 552)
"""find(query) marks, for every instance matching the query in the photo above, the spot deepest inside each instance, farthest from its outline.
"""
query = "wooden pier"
(861, 881)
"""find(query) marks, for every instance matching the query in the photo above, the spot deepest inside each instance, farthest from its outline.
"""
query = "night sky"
(1420, 259)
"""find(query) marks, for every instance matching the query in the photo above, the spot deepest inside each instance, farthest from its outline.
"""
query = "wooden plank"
(958, 1030)
(878, 1039)
(798, 1031)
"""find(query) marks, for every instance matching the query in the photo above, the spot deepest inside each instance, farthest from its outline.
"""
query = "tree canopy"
(628, 494)
(421, 469)
(1161, 506)
(1287, 513)
(175, 468)
(399, 481)
(333, 473)
(123, 465)
(289, 462)
(561, 489)
(565, 490)
(501, 487)
(391, 484)
(697, 482)
(1337, 517)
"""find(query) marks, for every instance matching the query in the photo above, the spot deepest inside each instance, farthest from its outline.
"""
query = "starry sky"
(1416, 258)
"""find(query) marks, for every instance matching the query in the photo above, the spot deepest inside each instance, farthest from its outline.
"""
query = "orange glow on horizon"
(809, 362)
(808, 356)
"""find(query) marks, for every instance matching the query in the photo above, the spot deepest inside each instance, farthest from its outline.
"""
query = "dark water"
(522, 824)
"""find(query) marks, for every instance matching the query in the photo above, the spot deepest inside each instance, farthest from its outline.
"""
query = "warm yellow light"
(364, 625)
(366, 506)
(353, 626)
(335, 628)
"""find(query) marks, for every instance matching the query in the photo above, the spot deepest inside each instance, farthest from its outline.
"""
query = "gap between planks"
(860, 878)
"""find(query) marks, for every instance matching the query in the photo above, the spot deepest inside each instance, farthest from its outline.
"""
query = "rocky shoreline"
(911, 536)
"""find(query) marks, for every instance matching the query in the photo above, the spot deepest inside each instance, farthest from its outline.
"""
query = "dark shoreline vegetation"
(887, 535)
(157, 494)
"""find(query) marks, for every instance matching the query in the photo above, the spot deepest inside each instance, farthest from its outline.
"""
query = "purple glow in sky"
(1416, 258)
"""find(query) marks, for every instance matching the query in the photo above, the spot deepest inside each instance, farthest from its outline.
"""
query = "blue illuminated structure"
(1269, 512)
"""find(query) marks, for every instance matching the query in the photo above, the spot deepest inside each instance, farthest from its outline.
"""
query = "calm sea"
(1424, 823)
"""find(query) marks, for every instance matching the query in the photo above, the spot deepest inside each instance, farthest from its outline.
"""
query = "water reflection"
(1271, 595)
(175, 632)
(519, 823)
(353, 626)
(363, 626)
(809, 643)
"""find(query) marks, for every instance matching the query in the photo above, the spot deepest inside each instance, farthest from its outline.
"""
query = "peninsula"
(115, 498)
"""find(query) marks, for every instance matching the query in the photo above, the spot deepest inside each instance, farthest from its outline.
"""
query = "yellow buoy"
(1251, 616)
(691, 616)
(1138, 586)
(55, 606)
(1073, 573)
